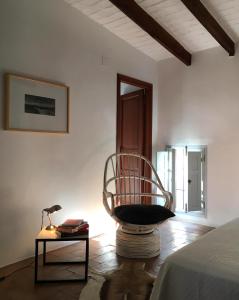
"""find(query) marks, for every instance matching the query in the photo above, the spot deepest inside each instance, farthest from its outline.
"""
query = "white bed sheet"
(207, 269)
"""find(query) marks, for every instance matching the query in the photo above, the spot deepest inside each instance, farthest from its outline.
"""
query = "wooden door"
(134, 132)
(132, 123)
(134, 117)
(131, 140)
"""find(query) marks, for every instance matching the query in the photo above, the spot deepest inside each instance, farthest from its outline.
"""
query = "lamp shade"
(52, 209)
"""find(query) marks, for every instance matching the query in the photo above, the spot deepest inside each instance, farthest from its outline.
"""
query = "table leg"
(86, 259)
(36, 259)
(44, 252)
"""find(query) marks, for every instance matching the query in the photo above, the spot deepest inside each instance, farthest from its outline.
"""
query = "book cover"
(72, 222)
(73, 229)
(79, 232)
(67, 229)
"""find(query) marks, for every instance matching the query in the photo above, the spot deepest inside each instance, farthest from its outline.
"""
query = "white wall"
(51, 40)
(200, 105)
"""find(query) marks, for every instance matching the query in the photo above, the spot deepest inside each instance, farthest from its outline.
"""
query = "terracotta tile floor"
(173, 235)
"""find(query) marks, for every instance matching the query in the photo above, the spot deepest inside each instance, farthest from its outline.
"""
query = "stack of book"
(73, 227)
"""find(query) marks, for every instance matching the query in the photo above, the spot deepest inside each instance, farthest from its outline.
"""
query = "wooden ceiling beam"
(139, 16)
(209, 22)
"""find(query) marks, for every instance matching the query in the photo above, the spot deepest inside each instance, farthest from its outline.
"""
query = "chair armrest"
(168, 199)
(109, 209)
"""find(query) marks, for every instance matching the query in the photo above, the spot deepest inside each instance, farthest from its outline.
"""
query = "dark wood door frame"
(148, 87)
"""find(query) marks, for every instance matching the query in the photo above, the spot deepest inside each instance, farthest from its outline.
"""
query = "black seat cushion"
(142, 214)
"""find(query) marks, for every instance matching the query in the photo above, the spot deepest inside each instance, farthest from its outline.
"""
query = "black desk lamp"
(50, 211)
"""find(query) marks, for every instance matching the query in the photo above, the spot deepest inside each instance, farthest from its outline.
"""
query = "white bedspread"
(207, 269)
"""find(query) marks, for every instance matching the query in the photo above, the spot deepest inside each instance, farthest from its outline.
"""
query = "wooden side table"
(42, 237)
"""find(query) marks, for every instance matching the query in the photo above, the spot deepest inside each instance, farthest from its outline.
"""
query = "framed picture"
(36, 105)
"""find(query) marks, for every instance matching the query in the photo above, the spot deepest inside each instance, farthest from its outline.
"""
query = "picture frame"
(35, 105)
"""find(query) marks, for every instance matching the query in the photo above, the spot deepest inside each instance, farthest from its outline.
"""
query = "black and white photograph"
(40, 105)
(36, 105)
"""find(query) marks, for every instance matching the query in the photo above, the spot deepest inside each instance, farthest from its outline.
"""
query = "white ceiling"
(172, 15)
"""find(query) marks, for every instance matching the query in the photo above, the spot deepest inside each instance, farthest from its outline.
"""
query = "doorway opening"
(182, 170)
(134, 116)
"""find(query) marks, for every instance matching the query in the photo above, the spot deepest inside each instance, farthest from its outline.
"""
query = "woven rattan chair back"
(131, 179)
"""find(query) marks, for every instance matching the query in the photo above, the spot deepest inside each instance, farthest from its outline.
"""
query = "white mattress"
(207, 269)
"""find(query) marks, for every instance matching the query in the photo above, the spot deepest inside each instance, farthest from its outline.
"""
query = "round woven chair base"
(139, 229)
(137, 246)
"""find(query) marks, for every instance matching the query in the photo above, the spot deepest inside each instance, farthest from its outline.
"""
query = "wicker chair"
(132, 195)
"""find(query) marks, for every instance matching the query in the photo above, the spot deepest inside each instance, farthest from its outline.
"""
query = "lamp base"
(51, 227)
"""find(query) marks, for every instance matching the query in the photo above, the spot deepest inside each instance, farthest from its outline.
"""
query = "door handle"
(189, 181)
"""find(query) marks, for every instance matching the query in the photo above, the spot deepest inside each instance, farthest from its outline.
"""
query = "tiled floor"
(19, 285)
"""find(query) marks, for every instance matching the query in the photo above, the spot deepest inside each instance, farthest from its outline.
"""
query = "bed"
(207, 269)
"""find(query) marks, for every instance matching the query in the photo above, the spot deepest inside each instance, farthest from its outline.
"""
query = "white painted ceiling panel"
(172, 15)
(227, 14)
